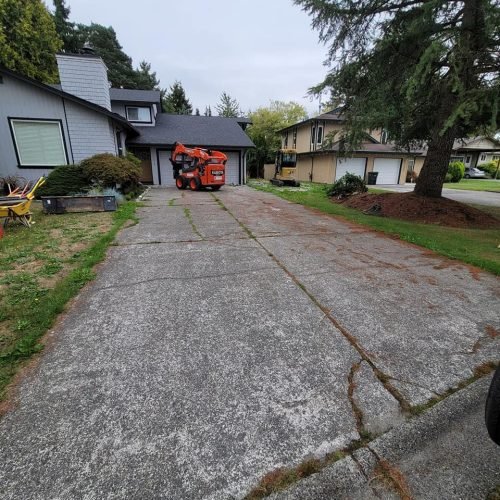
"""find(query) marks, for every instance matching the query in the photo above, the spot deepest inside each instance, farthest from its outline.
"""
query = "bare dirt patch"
(411, 207)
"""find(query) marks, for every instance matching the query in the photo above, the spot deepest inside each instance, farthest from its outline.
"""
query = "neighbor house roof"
(477, 144)
(192, 130)
(133, 95)
(53, 89)
(334, 115)
(366, 147)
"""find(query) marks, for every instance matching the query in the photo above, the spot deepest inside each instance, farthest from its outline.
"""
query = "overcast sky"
(256, 50)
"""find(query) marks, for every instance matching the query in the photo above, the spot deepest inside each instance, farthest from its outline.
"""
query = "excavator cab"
(286, 168)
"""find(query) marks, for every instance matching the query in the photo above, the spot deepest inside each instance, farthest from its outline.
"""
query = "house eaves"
(70, 97)
(331, 116)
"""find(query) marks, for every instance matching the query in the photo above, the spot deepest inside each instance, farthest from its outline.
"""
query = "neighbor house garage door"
(354, 166)
(388, 170)
(232, 168)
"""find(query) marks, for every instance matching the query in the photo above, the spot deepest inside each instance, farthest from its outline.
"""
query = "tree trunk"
(431, 178)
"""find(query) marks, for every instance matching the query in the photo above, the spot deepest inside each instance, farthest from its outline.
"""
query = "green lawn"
(479, 247)
(40, 270)
(475, 185)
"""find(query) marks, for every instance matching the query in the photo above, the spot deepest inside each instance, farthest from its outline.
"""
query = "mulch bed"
(411, 207)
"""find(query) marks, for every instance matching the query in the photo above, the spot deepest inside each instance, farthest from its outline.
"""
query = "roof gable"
(53, 89)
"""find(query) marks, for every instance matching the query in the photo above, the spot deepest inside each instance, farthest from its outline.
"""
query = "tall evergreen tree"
(228, 106)
(146, 79)
(427, 71)
(28, 39)
(65, 29)
(175, 100)
(105, 43)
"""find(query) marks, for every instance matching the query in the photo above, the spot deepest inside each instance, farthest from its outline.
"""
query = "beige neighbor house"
(471, 152)
(319, 158)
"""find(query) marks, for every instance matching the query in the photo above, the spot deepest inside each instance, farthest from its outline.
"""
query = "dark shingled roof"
(132, 95)
(192, 130)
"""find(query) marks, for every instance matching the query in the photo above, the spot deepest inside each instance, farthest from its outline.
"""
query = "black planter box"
(64, 204)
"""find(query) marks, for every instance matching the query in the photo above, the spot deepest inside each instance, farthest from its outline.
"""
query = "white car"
(474, 173)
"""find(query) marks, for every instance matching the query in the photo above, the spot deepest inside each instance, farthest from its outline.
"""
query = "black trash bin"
(372, 178)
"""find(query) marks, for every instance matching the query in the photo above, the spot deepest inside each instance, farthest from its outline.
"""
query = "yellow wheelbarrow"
(14, 207)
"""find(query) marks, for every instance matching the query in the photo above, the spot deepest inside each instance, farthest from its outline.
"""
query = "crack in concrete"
(384, 379)
(189, 217)
(413, 384)
(365, 475)
(358, 414)
(392, 475)
(184, 278)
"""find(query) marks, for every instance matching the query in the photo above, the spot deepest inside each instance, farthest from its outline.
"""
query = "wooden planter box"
(63, 204)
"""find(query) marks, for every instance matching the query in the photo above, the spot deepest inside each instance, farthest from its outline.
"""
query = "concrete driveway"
(229, 335)
(461, 195)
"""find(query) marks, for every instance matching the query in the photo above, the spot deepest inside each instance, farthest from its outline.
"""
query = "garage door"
(388, 170)
(166, 170)
(354, 166)
(232, 168)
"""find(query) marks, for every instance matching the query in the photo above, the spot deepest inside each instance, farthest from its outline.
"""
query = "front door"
(144, 154)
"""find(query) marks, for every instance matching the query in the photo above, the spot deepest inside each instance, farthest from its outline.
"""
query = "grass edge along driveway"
(37, 317)
(490, 185)
(479, 247)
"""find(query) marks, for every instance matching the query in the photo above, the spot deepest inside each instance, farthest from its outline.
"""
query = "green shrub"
(63, 181)
(447, 177)
(108, 171)
(490, 168)
(456, 169)
(347, 185)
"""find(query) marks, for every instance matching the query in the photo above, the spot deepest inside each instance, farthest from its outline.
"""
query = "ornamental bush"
(456, 169)
(109, 171)
(490, 168)
(347, 185)
(63, 181)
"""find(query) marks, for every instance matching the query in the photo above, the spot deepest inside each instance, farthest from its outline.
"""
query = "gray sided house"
(43, 126)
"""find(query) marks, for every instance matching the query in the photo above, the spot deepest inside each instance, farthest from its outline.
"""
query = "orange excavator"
(198, 168)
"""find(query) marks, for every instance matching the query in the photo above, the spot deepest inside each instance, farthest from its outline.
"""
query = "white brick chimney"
(85, 76)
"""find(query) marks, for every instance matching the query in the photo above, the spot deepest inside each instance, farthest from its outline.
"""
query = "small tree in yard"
(427, 71)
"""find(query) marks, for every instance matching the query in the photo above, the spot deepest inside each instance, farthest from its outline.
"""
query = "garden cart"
(17, 207)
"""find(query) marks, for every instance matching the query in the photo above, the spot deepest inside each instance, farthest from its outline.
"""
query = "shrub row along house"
(318, 142)
(44, 126)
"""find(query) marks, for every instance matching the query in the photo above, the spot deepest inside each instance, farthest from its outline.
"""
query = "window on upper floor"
(285, 140)
(38, 143)
(384, 137)
(294, 139)
(317, 135)
(483, 157)
(139, 114)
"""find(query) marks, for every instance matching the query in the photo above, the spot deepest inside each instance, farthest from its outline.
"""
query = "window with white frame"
(384, 137)
(483, 157)
(38, 143)
(319, 136)
(139, 114)
(285, 140)
(294, 146)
